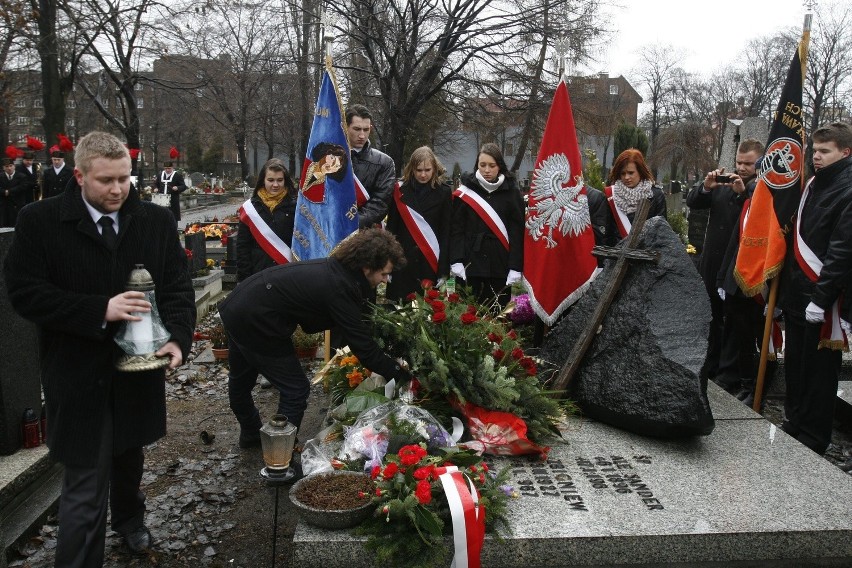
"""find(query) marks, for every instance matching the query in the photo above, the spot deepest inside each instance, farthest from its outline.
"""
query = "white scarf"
(488, 186)
(626, 198)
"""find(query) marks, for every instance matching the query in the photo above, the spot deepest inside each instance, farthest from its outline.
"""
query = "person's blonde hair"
(424, 154)
(98, 145)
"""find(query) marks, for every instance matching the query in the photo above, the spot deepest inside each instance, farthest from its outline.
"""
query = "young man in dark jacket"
(67, 272)
(262, 312)
(816, 269)
(56, 176)
(374, 169)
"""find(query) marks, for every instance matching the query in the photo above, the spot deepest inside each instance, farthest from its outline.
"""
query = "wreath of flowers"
(412, 513)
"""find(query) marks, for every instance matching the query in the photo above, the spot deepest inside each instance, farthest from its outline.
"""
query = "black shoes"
(139, 540)
(249, 439)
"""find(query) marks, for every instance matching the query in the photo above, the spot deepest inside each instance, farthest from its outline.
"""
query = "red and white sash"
(467, 514)
(832, 335)
(419, 229)
(621, 220)
(485, 212)
(271, 243)
(361, 195)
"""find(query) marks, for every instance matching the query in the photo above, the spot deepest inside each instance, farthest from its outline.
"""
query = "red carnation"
(468, 319)
(34, 144)
(499, 354)
(423, 492)
(390, 470)
(438, 317)
(374, 473)
(453, 298)
(65, 143)
(424, 472)
(411, 454)
(517, 353)
(411, 297)
(512, 334)
(437, 305)
(494, 337)
(432, 294)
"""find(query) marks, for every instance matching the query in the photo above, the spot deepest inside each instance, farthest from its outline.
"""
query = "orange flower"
(355, 378)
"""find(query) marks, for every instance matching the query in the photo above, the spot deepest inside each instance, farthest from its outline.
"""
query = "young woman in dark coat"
(425, 190)
(478, 254)
(274, 198)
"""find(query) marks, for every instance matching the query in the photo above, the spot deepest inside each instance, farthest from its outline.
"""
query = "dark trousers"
(714, 339)
(742, 334)
(283, 370)
(491, 292)
(811, 376)
(83, 503)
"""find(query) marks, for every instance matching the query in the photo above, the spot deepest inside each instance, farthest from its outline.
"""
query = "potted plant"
(306, 343)
(219, 341)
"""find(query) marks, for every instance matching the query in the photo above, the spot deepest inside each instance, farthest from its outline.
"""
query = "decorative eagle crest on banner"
(556, 205)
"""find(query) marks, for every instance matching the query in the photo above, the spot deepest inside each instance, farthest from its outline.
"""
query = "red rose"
(438, 317)
(468, 319)
(471, 309)
(390, 470)
(453, 298)
(494, 338)
(499, 354)
(484, 466)
(512, 334)
(426, 284)
(423, 492)
(432, 294)
(532, 370)
(374, 473)
(411, 297)
(517, 353)
(437, 305)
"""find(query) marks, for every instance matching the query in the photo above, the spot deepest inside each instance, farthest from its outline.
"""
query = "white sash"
(485, 212)
(271, 243)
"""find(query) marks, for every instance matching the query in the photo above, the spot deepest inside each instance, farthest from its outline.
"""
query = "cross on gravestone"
(624, 253)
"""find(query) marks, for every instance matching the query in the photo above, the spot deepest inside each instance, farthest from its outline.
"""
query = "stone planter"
(220, 354)
(330, 518)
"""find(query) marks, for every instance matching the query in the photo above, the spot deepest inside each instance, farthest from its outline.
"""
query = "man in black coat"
(56, 177)
(816, 271)
(374, 169)
(29, 171)
(11, 193)
(262, 312)
(171, 183)
(723, 194)
(66, 271)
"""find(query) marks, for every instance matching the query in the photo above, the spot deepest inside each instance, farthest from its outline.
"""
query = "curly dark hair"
(371, 249)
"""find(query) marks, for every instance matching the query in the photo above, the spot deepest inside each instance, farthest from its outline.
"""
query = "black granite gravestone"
(641, 372)
(198, 245)
(20, 386)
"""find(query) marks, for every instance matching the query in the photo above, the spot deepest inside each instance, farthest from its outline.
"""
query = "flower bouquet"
(413, 496)
(464, 359)
(212, 232)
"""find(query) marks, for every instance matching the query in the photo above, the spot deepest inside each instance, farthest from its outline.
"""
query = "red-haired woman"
(630, 180)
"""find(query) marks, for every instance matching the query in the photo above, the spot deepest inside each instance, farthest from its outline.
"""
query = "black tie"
(107, 231)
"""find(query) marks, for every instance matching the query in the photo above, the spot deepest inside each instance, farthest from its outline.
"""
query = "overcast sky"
(706, 34)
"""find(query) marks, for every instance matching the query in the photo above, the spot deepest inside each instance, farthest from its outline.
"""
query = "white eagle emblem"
(556, 206)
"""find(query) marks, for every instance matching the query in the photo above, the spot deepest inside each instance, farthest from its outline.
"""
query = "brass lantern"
(277, 438)
(141, 339)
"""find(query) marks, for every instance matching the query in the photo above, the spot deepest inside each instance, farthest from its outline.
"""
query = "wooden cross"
(624, 253)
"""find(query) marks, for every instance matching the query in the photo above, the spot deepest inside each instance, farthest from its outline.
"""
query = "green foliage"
(679, 225)
(628, 136)
(593, 170)
(194, 155)
(213, 156)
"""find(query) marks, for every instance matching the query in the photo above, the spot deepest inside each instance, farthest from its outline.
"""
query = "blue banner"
(325, 210)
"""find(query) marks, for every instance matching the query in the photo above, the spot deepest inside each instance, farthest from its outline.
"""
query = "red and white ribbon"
(811, 265)
(419, 229)
(485, 212)
(621, 220)
(467, 515)
(361, 195)
(271, 243)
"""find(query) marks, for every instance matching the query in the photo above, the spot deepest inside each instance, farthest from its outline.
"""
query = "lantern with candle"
(141, 339)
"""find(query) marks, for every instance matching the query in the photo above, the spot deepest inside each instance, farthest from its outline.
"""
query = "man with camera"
(724, 194)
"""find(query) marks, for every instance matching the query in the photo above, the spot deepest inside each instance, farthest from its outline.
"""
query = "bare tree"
(658, 73)
(829, 68)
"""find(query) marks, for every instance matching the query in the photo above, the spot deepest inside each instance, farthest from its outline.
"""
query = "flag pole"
(773, 290)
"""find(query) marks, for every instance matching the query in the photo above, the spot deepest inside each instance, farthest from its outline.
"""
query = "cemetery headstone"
(641, 372)
(198, 245)
(20, 383)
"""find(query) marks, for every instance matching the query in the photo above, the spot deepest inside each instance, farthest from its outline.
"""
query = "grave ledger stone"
(20, 385)
(641, 372)
(196, 243)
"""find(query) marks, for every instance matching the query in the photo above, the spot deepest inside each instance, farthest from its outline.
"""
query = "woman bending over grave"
(419, 216)
(630, 180)
(487, 235)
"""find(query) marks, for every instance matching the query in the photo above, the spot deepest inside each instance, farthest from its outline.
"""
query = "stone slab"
(844, 391)
(725, 406)
(746, 493)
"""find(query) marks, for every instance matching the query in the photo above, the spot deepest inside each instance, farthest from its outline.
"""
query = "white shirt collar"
(96, 215)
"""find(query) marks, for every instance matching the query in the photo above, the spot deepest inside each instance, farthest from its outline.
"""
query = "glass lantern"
(277, 438)
(141, 339)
